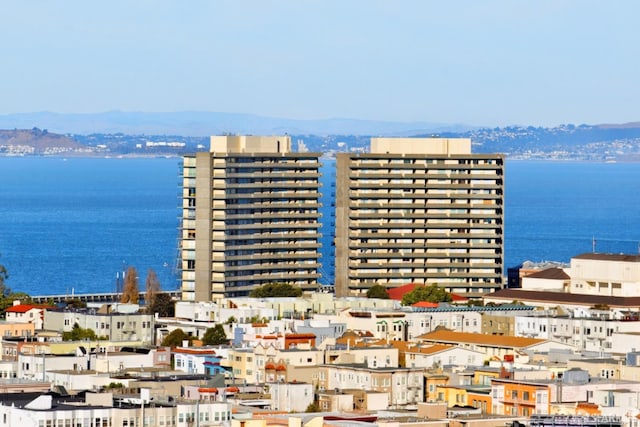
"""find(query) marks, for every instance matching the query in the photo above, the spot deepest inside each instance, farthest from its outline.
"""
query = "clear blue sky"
(489, 63)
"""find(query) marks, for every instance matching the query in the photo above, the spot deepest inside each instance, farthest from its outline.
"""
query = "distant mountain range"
(197, 123)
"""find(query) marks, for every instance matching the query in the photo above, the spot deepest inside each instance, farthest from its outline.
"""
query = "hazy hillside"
(195, 123)
(36, 142)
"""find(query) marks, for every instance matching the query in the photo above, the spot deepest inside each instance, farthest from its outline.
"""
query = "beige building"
(615, 275)
(422, 210)
(116, 322)
(249, 217)
(403, 386)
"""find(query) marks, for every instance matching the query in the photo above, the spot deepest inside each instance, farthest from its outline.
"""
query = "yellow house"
(484, 376)
(432, 381)
(452, 395)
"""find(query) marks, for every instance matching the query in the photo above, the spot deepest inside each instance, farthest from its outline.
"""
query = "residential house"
(26, 313)
(508, 348)
(111, 322)
(403, 385)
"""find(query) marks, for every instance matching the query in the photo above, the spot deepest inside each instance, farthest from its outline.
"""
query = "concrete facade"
(249, 217)
(421, 210)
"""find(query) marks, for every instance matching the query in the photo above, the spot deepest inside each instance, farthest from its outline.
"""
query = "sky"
(481, 63)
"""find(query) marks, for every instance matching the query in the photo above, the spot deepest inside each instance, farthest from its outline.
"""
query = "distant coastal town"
(604, 143)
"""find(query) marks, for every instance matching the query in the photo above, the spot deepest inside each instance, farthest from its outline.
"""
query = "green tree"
(152, 288)
(313, 407)
(75, 303)
(7, 300)
(78, 334)
(215, 336)
(130, 290)
(377, 291)
(4, 275)
(163, 305)
(432, 293)
(276, 290)
(175, 338)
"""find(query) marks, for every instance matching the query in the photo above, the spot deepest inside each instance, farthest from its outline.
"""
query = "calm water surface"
(72, 225)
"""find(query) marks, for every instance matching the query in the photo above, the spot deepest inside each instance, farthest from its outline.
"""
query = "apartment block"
(250, 216)
(422, 210)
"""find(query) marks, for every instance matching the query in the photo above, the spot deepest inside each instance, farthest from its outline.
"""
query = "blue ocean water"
(72, 225)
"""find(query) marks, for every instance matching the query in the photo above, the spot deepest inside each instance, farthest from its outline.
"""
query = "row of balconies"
(225, 185)
(455, 165)
(412, 214)
(290, 245)
(355, 185)
(401, 253)
(274, 164)
(272, 174)
(305, 235)
(427, 204)
(410, 233)
(270, 214)
(271, 277)
(388, 264)
(354, 195)
(471, 247)
(440, 225)
(357, 274)
(283, 226)
(265, 256)
(293, 195)
(273, 205)
(267, 267)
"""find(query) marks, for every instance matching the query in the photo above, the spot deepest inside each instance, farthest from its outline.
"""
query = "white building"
(290, 396)
(417, 356)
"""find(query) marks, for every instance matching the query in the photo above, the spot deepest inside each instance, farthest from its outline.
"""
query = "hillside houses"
(542, 353)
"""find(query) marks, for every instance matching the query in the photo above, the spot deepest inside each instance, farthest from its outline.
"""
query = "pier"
(108, 297)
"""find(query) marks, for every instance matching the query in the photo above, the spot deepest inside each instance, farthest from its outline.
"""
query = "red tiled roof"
(552, 273)
(192, 350)
(23, 308)
(398, 292)
(425, 304)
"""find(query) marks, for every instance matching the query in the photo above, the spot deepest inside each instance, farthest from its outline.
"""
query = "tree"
(175, 338)
(432, 293)
(152, 288)
(4, 275)
(130, 291)
(163, 305)
(313, 407)
(276, 290)
(77, 334)
(75, 303)
(377, 291)
(215, 336)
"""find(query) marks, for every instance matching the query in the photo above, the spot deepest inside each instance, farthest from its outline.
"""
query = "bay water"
(74, 225)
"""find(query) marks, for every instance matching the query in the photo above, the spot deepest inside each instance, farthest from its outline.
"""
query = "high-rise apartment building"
(249, 217)
(419, 210)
